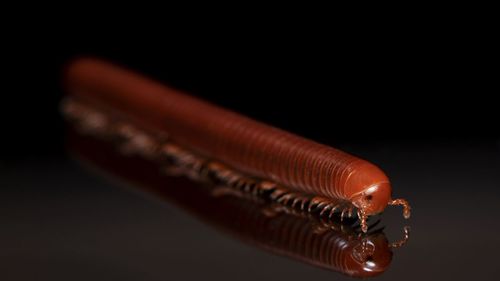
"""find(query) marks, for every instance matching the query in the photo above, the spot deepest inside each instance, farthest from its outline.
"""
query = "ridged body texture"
(248, 146)
(331, 246)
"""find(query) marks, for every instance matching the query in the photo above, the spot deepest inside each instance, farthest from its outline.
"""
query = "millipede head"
(373, 199)
(370, 256)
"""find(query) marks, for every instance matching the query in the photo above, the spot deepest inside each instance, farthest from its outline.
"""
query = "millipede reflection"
(293, 166)
(329, 245)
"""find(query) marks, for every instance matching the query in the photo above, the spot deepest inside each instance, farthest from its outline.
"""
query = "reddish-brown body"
(243, 144)
(331, 246)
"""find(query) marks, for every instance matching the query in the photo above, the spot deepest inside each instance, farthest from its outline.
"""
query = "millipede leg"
(277, 194)
(332, 211)
(220, 191)
(317, 203)
(344, 210)
(304, 203)
(321, 205)
(297, 200)
(311, 205)
(285, 198)
(267, 186)
(325, 209)
(138, 143)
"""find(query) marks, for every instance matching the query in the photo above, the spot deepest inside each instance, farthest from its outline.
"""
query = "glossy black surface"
(62, 221)
(424, 115)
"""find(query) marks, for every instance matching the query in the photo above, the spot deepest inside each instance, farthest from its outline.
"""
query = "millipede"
(330, 245)
(207, 142)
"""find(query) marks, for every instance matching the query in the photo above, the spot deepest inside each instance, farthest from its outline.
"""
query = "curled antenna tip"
(406, 214)
(406, 236)
(405, 204)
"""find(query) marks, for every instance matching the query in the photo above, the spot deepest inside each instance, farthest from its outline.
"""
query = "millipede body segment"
(326, 244)
(163, 123)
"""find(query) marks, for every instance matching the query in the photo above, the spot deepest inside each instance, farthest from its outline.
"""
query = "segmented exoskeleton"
(207, 140)
(276, 228)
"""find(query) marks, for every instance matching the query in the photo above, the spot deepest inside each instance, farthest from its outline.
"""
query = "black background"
(438, 86)
(419, 105)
